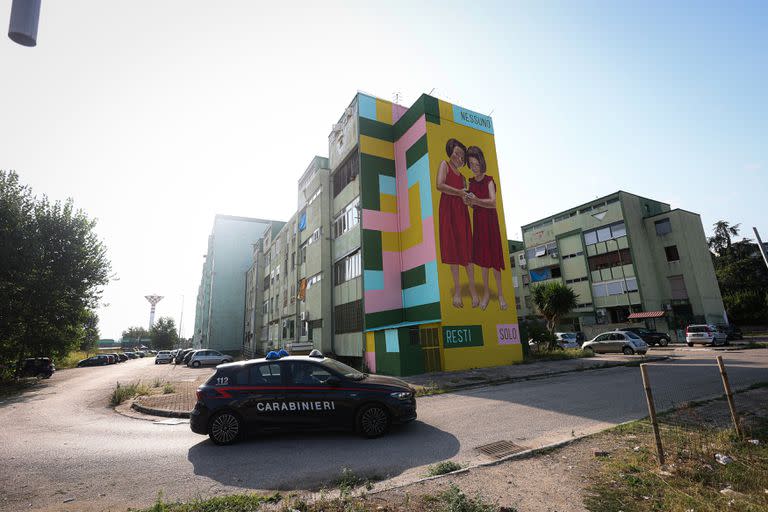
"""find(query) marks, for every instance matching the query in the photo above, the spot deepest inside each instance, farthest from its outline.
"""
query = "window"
(347, 219)
(303, 253)
(293, 261)
(315, 279)
(677, 284)
(577, 280)
(413, 336)
(541, 251)
(293, 293)
(526, 279)
(315, 195)
(663, 227)
(348, 317)
(307, 374)
(345, 174)
(315, 236)
(615, 288)
(610, 259)
(573, 255)
(347, 268)
(672, 254)
(265, 375)
(530, 253)
(265, 307)
(515, 282)
(605, 233)
(631, 284)
(598, 290)
(551, 248)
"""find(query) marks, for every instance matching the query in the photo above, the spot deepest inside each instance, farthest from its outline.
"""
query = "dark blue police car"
(295, 393)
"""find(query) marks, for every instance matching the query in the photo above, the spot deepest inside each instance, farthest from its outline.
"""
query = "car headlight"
(401, 395)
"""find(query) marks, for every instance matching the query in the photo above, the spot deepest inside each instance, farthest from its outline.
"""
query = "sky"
(155, 116)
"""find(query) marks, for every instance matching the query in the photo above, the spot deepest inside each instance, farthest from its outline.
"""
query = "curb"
(159, 412)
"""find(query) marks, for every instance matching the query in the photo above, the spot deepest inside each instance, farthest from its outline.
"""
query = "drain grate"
(500, 449)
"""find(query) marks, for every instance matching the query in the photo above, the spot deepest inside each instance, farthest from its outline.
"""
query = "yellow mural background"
(491, 353)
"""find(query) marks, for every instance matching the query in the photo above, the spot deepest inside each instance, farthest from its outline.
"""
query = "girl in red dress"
(455, 229)
(487, 252)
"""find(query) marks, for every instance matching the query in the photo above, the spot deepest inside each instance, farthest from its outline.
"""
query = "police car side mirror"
(333, 381)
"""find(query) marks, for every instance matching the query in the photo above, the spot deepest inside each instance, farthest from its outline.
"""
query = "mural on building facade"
(415, 198)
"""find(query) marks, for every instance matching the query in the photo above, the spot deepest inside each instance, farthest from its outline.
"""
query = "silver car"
(208, 357)
(706, 334)
(625, 342)
(164, 356)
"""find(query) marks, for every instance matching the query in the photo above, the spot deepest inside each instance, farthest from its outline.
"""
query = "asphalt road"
(63, 442)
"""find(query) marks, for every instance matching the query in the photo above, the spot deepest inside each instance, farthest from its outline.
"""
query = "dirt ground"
(554, 481)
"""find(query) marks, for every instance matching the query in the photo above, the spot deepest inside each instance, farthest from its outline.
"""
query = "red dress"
(455, 230)
(486, 238)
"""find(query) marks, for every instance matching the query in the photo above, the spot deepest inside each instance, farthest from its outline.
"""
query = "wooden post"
(729, 396)
(652, 413)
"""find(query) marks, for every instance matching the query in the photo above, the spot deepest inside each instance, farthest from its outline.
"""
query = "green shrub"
(122, 393)
(168, 388)
(441, 468)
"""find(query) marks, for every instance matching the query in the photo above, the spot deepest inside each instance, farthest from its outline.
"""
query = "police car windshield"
(343, 369)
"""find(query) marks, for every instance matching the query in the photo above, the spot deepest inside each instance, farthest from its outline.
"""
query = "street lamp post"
(25, 17)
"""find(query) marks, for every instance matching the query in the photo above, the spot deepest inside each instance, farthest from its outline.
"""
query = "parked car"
(141, 353)
(208, 357)
(650, 337)
(179, 357)
(164, 356)
(131, 355)
(707, 334)
(298, 392)
(187, 356)
(733, 332)
(42, 367)
(567, 339)
(626, 342)
(100, 360)
(117, 357)
(123, 357)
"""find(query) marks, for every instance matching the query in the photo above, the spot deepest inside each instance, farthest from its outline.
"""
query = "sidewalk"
(181, 403)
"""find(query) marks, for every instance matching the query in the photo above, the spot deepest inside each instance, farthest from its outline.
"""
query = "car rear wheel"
(628, 351)
(195, 364)
(226, 361)
(663, 342)
(225, 428)
(690, 344)
(372, 421)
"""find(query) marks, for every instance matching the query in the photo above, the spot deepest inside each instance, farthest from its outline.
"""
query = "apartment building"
(221, 294)
(360, 271)
(628, 258)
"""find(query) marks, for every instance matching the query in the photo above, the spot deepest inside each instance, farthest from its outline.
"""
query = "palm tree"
(722, 238)
(554, 300)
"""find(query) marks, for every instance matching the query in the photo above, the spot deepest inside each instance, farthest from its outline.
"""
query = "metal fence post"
(729, 396)
(652, 413)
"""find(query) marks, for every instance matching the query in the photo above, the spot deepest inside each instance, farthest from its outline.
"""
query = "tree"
(53, 269)
(722, 239)
(554, 300)
(90, 339)
(741, 274)
(136, 333)
(163, 335)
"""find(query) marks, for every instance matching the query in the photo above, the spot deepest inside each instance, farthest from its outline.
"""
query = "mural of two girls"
(465, 244)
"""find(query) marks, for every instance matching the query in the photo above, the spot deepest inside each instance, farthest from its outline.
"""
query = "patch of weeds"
(234, 503)
(754, 344)
(348, 481)
(631, 480)
(441, 468)
(122, 392)
(168, 388)
(454, 500)
(544, 354)
(158, 382)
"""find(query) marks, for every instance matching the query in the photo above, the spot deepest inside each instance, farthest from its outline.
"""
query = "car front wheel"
(663, 342)
(372, 421)
(225, 428)
(195, 364)
(628, 351)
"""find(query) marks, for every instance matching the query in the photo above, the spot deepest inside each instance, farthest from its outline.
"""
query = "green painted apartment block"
(623, 255)
(221, 295)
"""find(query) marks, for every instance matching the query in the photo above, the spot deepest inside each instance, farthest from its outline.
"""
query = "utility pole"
(760, 246)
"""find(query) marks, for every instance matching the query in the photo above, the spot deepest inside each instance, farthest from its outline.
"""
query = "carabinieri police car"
(298, 392)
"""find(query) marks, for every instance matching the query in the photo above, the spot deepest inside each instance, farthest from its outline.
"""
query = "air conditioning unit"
(554, 254)
(523, 264)
(667, 307)
(349, 112)
(303, 316)
(337, 127)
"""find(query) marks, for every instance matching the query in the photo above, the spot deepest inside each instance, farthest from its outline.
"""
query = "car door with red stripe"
(265, 394)
(321, 398)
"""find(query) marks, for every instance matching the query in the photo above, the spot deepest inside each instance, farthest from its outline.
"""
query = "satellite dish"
(25, 17)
